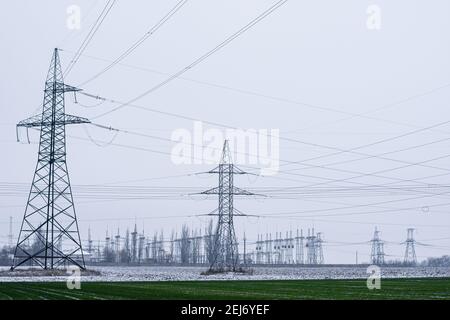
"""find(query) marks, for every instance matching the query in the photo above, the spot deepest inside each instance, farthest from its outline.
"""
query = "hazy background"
(319, 53)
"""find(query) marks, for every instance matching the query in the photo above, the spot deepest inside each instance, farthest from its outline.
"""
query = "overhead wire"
(139, 42)
(96, 26)
(202, 58)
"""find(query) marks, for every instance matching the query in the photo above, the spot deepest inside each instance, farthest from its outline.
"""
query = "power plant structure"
(289, 249)
(192, 247)
(50, 219)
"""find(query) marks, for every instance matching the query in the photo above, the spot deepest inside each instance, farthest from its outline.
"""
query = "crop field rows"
(235, 290)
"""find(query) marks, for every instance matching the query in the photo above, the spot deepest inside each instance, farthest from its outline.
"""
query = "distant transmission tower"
(134, 248)
(311, 246)
(377, 254)
(50, 213)
(319, 248)
(90, 241)
(299, 245)
(410, 252)
(225, 248)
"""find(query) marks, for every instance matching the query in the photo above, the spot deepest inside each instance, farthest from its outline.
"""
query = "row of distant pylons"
(377, 255)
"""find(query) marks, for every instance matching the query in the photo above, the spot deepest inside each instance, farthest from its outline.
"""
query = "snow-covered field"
(152, 273)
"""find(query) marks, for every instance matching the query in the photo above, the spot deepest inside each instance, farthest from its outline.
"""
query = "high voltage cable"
(391, 152)
(409, 199)
(167, 153)
(83, 18)
(108, 6)
(285, 214)
(224, 43)
(148, 34)
(375, 174)
(352, 150)
(392, 104)
(289, 173)
(247, 154)
(340, 151)
(277, 98)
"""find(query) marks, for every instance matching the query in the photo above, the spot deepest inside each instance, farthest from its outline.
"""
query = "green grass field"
(237, 290)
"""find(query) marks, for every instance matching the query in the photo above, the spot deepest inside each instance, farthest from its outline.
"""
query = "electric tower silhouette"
(377, 254)
(50, 217)
(225, 256)
(410, 252)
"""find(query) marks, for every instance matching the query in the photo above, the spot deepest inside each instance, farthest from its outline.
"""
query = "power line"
(352, 150)
(340, 151)
(289, 173)
(109, 5)
(223, 44)
(139, 42)
(390, 105)
(308, 165)
(394, 151)
(282, 99)
(144, 149)
(84, 17)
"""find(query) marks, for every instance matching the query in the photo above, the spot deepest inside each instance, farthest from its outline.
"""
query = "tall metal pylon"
(377, 254)
(299, 245)
(319, 248)
(50, 216)
(225, 247)
(311, 247)
(410, 252)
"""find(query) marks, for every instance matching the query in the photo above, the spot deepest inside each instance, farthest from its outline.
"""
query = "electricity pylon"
(410, 252)
(377, 254)
(225, 246)
(319, 248)
(50, 216)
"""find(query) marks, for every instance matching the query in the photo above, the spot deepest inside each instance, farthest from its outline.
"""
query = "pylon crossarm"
(211, 191)
(36, 121)
(235, 191)
(241, 192)
(59, 87)
(212, 213)
(234, 170)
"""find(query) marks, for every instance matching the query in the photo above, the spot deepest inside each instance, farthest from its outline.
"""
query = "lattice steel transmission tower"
(410, 252)
(50, 216)
(225, 247)
(319, 248)
(377, 254)
(299, 245)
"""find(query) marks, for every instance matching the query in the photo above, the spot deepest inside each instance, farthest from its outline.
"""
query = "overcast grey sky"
(316, 56)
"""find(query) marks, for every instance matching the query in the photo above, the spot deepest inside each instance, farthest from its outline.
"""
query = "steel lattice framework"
(225, 247)
(410, 251)
(50, 218)
(377, 253)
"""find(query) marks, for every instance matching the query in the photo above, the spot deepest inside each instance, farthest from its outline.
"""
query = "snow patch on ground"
(172, 273)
